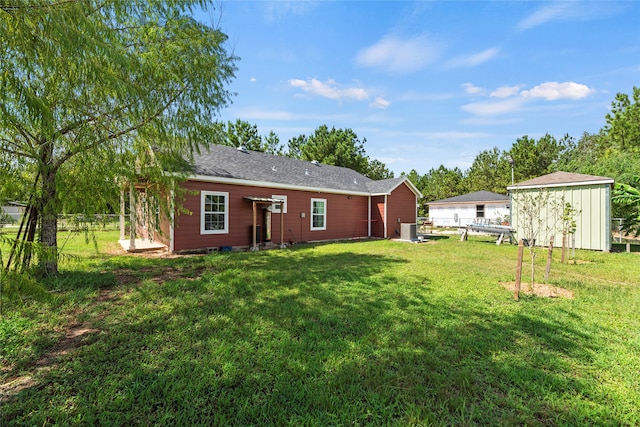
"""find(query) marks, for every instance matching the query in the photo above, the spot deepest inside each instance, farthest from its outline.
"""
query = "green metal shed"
(589, 195)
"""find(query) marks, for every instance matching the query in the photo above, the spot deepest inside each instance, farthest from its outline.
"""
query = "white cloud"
(552, 12)
(420, 96)
(473, 60)
(505, 92)
(552, 91)
(445, 135)
(380, 103)
(453, 135)
(510, 99)
(492, 108)
(329, 89)
(570, 11)
(392, 160)
(400, 56)
(253, 80)
(472, 89)
(488, 121)
(281, 10)
(259, 114)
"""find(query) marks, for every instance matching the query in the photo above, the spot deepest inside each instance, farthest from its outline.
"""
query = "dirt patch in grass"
(75, 336)
(156, 274)
(578, 262)
(539, 290)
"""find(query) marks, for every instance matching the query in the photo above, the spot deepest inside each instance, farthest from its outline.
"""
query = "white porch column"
(122, 208)
(132, 217)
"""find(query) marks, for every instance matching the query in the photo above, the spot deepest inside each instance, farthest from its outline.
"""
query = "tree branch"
(16, 152)
(70, 153)
(23, 132)
(11, 8)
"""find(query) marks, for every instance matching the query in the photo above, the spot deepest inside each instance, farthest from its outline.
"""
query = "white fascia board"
(412, 187)
(562, 184)
(470, 202)
(264, 184)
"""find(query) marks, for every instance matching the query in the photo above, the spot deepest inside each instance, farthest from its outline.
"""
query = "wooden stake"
(516, 289)
(549, 256)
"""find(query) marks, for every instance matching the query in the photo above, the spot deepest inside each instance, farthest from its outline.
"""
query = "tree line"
(613, 152)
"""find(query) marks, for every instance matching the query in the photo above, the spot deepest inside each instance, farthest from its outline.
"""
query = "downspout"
(254, 246)
(282, 245)
(369, 218)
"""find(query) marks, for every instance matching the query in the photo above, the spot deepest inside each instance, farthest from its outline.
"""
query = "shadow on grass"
(309, 338)
(436, 236)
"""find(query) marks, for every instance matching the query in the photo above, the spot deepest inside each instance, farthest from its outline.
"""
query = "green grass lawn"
(366, 333)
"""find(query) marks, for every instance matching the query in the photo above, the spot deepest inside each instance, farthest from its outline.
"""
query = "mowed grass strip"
(366, 333)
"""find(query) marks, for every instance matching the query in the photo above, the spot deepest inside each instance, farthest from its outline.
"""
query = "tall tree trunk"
(48, 260)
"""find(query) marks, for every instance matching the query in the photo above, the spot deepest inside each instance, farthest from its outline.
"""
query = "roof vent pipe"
(243, 149)
(315, 162)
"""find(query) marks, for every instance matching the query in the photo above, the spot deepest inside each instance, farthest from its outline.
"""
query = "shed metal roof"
(562, 179)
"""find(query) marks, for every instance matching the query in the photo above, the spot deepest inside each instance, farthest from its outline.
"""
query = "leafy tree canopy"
(88, 86)
(623, 122)
(242, 133)
(628, 195)
(338, 147)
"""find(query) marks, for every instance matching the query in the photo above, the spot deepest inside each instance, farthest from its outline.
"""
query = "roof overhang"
(264, 184)
(265, 200)
(470, 202)
(562, 184)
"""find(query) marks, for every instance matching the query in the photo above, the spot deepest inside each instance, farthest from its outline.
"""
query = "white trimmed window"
(318, 214)
(214, 212)
(276, 206)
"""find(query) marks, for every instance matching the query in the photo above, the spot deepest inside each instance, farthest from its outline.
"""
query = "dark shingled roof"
(478, 196)
(557, 179)
(219, 161)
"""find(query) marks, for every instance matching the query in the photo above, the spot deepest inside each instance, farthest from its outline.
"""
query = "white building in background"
(11, 213)
(460, 211)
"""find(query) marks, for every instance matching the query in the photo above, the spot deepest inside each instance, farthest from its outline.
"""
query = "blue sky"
(430, 83)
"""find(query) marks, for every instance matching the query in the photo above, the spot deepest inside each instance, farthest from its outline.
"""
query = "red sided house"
(246, 199)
